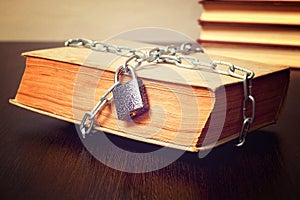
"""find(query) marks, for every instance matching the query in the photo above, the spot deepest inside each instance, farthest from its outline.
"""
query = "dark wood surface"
(43, 158)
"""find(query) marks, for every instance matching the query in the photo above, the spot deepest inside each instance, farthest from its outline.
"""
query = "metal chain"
(173, 55)
(185, 48)
(247, 76)
(87, 121)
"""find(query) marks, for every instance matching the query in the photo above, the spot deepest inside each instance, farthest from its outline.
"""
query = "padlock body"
(130, 99)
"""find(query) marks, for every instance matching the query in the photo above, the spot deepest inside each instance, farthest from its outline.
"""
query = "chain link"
(247, 76)
(87, 121)
(78, 42)
(173, 55)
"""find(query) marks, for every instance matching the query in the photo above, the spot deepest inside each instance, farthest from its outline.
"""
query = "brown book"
(282, 13)
(249, 1)
(187, 107)
(274, 35)
(273, 55)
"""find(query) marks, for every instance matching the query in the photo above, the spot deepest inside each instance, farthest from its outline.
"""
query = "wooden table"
(43, 158)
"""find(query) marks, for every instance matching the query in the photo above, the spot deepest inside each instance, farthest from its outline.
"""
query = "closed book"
(287, 56)
(240, 33)
(253, 12)
(189, 109)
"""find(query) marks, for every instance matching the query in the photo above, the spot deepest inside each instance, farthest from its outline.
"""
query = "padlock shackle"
(124, 69)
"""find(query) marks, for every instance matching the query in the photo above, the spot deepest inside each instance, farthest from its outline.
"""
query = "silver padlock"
(130, 98)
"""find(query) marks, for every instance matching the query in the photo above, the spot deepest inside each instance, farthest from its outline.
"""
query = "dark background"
(41, 157)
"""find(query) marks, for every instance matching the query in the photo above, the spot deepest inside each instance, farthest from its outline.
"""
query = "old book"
(263, 12)
(249, 1)
(265, 54)
(274, 35)
(189, 109)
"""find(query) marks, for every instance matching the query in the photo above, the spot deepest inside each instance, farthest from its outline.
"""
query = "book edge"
(248, 23)
(128, 135)
(123, 134)
(251, 47)
(284, 99)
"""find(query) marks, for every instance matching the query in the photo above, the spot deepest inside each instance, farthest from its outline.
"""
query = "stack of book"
(261, 30)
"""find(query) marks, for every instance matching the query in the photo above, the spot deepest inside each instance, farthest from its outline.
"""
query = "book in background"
(265, 31)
